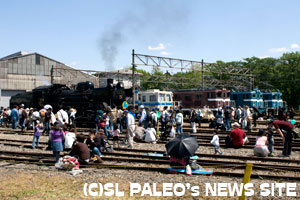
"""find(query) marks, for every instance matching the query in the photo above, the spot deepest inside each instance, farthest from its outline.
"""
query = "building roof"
(25, 53)
(15, 55)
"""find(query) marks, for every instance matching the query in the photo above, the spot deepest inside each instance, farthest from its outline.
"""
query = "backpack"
(148, 117)
(102, 122)
(24, 114)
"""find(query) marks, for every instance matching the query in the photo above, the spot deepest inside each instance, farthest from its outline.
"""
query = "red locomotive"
(195, 98)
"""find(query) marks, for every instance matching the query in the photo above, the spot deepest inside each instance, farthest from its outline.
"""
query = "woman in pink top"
(261, 148)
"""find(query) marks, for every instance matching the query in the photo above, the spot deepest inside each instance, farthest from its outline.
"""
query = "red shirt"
(283, 125)
(237, 136)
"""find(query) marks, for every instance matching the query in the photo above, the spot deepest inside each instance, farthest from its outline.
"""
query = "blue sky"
(99, 35)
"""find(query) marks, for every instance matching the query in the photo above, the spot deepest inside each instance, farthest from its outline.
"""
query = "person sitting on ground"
(70, 137)
(80, 150)
(215, 142)
(261, 148)
(237, 137)
(139, 132)
(101, 135)
(150, 134)
(179, 163)
(94, 144)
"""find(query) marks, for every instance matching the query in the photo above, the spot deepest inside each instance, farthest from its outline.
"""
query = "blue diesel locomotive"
(264, 101)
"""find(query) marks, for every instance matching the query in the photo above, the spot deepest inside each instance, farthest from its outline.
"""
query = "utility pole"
(202, 74)
(133, 79)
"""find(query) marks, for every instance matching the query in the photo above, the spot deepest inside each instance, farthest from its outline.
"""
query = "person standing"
(270, 141)
(164, 118)
(5, 117)
(254, 118)
(227, 115)
(179, 122)
(153, 117)
(130, 126)
(193, 120)
(1, 116)
(37, 133)
(47, 121)
(23, 117)
(215, 142)
(238, 114)
(14, 117)
(219, 120)
(62, 117)
(143, 115)
(56, 137)
(287, 137)
(200, 115)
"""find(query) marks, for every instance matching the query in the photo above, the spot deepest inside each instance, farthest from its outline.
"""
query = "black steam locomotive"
(84, 98)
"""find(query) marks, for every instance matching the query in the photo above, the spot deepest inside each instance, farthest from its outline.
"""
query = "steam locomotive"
(84, 98)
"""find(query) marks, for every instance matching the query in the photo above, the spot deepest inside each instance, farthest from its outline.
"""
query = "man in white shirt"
(143, 116)
(164, 119)
(130, 125)
(62, 116)
(153, 117)
(70, 137)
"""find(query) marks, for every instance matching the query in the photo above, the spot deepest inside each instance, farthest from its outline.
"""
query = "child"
(173, 132)
(270, 141)
(116, 134)
(215, 142)
(56, 138)
(36, 134)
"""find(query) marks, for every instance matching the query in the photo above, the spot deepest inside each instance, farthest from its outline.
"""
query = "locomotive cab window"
(144, 98)
(253, 95)
(168, 97)
(139, 97)
(187, 98)
(245, 96)
(153, 98)
(198, 96)
(219, 94)
(161, 97)
(224, 94)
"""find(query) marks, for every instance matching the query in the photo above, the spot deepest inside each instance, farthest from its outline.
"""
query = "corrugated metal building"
(24, 71)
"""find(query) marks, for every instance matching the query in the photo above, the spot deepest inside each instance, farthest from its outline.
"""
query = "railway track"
(202, 141)
(43, 145)
(157, 164)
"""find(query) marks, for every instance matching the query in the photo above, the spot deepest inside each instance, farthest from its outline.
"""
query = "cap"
(125, 111)
(37, 121)
(141, 106)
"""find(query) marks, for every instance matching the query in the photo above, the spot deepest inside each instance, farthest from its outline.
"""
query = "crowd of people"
(152, 125)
